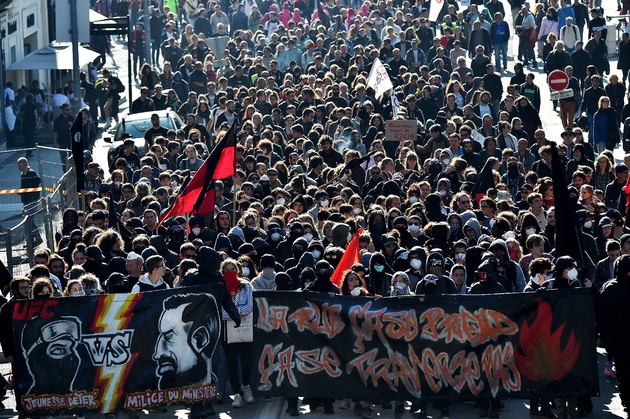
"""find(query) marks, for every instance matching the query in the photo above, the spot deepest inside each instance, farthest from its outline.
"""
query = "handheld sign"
(401, 130)
(558, 80)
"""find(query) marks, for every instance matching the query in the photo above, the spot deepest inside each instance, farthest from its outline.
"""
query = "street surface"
(608, 405)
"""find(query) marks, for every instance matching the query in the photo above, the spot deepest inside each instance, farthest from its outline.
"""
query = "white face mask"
(460, 256)
(510, 235)
(349, 237)
(344, 177)
(308, 237)
(446, 162)
(572, 274)
(357, 211)
(413, 228)
(413, 199)
(268, 272)
(442, 192)
(316, 254)
(246, 271)
(275, 236)
(530, 231)
(399, 285)
(356, 292)
(324, 203)
(196, 231)
(280, 201)
(117, 183)
(416, 264)
(588, 224)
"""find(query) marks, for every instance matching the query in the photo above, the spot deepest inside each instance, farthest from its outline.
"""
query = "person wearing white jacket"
(570, 35)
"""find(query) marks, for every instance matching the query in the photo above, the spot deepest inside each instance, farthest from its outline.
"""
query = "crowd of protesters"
(467, 208)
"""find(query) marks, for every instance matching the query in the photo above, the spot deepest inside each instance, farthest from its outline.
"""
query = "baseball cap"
(620, 168)
(134, 256)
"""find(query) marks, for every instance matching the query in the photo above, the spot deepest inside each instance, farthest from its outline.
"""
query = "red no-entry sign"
(558, 80)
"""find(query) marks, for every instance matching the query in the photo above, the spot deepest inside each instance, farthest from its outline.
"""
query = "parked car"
(136, 125)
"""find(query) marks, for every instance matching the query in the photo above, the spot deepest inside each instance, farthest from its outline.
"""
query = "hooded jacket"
(491, 284)
(306, 261)
(144, 284)
(209, 273)
(379, 282)
(474, 224)
(340, 235)
(264, 281)
(171, 259)
(513, 272)
(464, 289)
(433, 205)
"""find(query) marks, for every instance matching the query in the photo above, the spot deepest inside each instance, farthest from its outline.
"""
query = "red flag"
(349, 258)
(197, 197)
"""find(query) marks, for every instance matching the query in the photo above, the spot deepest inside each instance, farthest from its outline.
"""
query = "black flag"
(76, 133)
(568, 241)
(324, 18)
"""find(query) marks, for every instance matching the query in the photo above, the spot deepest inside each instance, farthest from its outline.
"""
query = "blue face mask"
(379, 268)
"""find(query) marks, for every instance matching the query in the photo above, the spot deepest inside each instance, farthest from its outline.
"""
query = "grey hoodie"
(474, 224)
(262, 282)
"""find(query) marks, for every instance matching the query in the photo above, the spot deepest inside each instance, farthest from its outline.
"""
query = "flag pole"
(234, 205)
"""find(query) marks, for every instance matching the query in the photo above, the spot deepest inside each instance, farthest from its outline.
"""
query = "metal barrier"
(39, 221)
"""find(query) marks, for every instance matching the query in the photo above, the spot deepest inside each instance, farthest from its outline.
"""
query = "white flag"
(434, 10)
(395, 104)
(379, 79)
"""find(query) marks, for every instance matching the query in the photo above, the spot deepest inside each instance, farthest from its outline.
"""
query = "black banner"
(107, 353)
(517, 345)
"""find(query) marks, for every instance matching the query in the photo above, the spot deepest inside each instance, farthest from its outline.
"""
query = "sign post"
(558, 80)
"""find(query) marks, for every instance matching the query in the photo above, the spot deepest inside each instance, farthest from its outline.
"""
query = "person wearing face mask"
(414, 227)
(514, 179)
(284, 249)
(306, 260)
(589, 245)
(437, 283)
(316, 248)
(400, 285)
(416, 259)
(266, 280)
(379, 277)
(529, 227)
(511, 271)
(274, 235)
(376, 226)
(196, 225)
(300, 246)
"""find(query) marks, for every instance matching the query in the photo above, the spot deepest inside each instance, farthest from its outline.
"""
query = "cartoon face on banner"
(186, 341)
(50, 350)
(113, 352)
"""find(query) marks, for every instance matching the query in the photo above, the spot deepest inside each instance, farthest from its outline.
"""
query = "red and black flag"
(568, 238)
(76, 133)
(197, 196)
